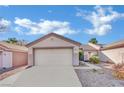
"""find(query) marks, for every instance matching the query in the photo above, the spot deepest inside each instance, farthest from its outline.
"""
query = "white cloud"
(44, 26)
(50, 11)
(19, 30)
(101, 19)
(4, 24)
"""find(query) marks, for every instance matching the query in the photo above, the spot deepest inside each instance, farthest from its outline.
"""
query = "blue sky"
(80, 23)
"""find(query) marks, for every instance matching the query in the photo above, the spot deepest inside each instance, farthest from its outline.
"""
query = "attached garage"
(53, 50)
(12, 55)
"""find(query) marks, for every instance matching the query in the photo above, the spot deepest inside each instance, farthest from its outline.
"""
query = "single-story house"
(12, 55)
(53, 50)
(89, 50)
(113, 52)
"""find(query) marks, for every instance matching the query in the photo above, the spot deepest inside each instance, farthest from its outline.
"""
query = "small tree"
(93, 40)
(12, 40)
(81, 55)
(16, 41)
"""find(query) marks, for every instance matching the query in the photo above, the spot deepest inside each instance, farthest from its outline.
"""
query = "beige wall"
(112, 55)
(54, 42)
(97, 47)
(20, 59)
(87, 55)
(0, 59)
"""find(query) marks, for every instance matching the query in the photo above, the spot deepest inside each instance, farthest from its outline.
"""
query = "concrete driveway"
(40, 76)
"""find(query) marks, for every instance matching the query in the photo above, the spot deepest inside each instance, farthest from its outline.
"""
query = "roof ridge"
(50, 34)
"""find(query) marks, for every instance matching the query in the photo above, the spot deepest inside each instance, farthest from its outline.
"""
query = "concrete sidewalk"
(40, 76)
(88, 66)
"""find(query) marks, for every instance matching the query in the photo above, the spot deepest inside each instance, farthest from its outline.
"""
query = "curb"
(11, 72)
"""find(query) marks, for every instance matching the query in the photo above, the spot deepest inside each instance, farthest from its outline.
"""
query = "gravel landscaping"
(98, 78)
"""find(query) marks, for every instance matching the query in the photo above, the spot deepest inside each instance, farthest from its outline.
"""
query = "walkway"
(88, 66)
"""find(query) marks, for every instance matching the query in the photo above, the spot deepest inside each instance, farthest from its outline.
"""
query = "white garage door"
(53, 57)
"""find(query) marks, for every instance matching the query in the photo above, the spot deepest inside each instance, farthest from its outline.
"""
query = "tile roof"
(114, 45)
(88, 47)
(13, 46)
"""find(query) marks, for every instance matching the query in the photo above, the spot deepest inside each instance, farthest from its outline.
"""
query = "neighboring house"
(113, 52)
(53, 50)
(89, 50)
(12, 55)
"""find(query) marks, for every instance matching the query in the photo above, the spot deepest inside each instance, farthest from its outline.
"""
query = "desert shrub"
(118, 71)
(94, 59)
(119, 66)
(119, 74)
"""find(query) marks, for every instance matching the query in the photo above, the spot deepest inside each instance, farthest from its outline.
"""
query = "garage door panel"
(53, 57)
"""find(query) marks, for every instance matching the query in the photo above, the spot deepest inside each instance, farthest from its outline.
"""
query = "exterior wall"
(87, 55)
(30, 57)
(7, 59)
(95, 46)
(0, 59)
(54, 42)
(112, 55)
(20, 59)
(75, 56)
(12, 57)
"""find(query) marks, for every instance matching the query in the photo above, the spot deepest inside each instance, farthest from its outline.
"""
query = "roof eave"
(62, 37)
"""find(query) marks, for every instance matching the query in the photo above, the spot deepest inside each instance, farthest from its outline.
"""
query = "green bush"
(94, 59)
(81, 55)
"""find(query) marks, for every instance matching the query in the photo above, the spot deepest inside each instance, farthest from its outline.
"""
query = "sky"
(79, 23)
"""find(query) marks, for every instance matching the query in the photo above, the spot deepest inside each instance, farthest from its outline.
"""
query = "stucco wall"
(0, 59)
(87, 55)
(54, 42)
(20, 59)
(112, 55)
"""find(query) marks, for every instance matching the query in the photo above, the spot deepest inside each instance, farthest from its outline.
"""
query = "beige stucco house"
(12, 55)
(53, 50)
(113, 52)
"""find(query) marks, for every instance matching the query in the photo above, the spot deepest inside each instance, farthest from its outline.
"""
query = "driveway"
(44, 76)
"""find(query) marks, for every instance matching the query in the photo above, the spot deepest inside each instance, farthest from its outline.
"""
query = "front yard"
(98, 78)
